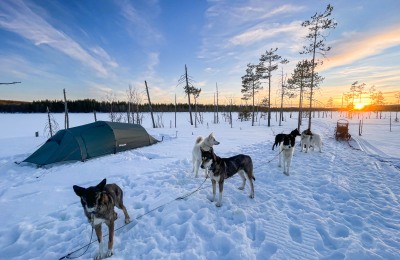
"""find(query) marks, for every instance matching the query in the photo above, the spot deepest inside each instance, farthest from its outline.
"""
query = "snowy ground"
(343, 203)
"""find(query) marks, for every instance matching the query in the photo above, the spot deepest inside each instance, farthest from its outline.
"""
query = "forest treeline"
(90, 105)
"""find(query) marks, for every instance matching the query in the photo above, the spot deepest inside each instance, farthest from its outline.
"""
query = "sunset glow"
(359, 106)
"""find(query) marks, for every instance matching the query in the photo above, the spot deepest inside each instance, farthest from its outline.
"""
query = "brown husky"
(98, 204)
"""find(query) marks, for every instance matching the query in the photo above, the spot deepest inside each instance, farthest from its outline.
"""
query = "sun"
(359, 106)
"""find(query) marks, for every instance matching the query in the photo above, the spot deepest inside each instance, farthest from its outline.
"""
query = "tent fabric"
(91, 140)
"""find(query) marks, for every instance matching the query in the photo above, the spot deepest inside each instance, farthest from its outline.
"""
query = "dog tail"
(199, 139)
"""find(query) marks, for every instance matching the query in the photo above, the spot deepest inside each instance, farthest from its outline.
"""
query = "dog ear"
(79, 190)
(101, 185)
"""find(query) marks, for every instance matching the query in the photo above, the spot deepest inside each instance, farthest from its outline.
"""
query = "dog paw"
(127, 221)
(109, 253)
(251, 196)
(241, 188)
(97, 256)
(218, 204)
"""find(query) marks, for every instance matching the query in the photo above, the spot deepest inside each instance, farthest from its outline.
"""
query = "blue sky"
(94, 48)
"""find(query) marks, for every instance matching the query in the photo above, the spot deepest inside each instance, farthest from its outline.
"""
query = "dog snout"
(202, 166)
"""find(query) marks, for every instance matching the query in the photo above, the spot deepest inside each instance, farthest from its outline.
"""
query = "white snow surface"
(343, 203)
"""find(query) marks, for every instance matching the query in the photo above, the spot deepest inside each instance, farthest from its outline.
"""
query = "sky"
(97, 49)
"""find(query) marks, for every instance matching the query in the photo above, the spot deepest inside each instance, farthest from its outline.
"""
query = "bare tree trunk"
(230, 114)
(175, 110)
(94, 113)
(269, 95)
(217, 102)
(151, 110)
(66, 120)
(195, 112)
(48, 117)
(282, 93)
(129, 112)
(312, 78)
(187, 87)
(215, 111)
(300, 119)
(252, 117)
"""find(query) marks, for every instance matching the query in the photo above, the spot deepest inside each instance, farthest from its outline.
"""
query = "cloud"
(140, 28)
(236, 33)
(264, 32)
(357, 46)
(20, 19)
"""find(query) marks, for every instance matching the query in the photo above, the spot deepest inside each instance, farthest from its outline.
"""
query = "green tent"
(92, 140)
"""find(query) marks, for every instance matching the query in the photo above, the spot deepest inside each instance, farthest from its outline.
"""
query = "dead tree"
(151, 110)
(66, 119)
(216, 86)
(51, 124)
(188, 88)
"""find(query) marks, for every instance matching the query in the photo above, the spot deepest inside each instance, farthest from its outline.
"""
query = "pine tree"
(251, 85)
(316, 26)
(268, 63)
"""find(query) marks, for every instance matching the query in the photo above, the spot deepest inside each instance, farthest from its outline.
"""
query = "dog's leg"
(100, 239)
(250, 176)
(110, 238)
(214, 187)
(196, 168)
(193, 163)
(243, 180)
(121, 206)
(127, 218)
(280, 157)
(287, 166)
(221, 190)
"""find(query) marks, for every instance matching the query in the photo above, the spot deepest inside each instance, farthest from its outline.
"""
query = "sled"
(342, 130)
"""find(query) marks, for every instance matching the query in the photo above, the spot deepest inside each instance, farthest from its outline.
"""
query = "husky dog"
(279, 137)
(309, 139)
(205, 144)
(224, 168)
(98, 204)
(286, 152)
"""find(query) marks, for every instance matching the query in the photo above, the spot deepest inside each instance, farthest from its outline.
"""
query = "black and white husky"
(205, 144)
(224, 168)
(279, 137)
(286, 152)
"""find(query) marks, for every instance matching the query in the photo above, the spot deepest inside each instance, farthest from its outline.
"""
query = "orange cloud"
(355, 47)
